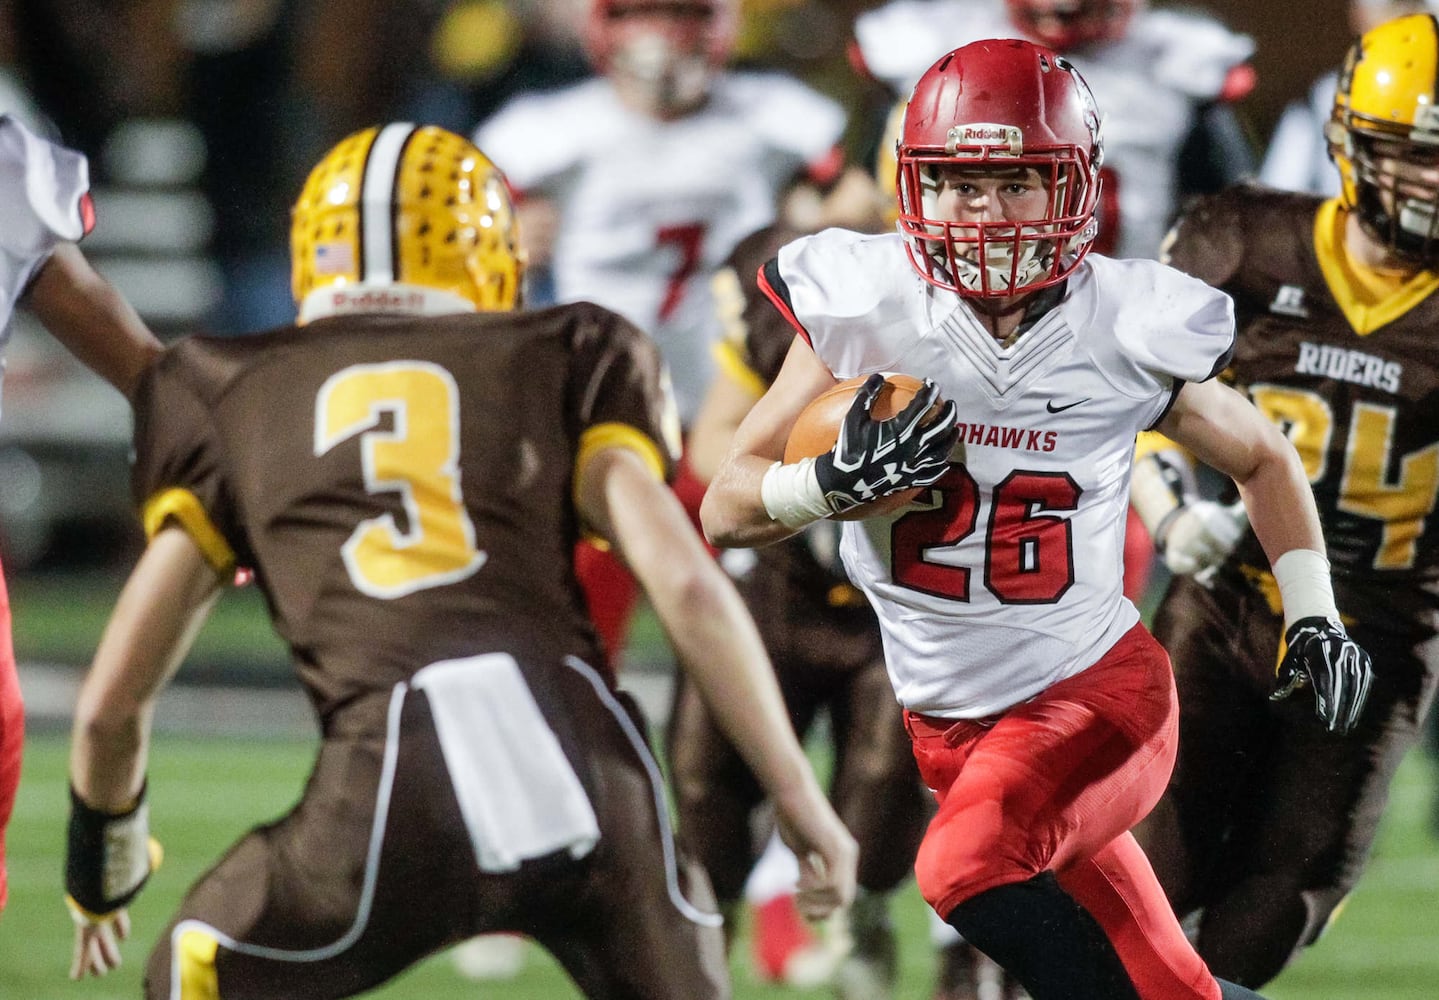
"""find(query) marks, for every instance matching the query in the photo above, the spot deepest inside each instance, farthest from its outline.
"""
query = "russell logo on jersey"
(1289, 301)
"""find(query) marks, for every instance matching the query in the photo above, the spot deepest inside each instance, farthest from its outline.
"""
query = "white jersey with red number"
(1008, 577)
(44, 200)
(1148, 85)
(650, 209)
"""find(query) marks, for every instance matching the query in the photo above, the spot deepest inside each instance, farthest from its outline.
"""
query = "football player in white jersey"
(1041, 711)
(1169, 81)
(638, 183)
(45, 208)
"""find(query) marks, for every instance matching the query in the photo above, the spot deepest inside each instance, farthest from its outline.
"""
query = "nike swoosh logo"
(1067, 406)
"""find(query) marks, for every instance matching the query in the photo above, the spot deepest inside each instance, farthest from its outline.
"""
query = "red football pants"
(12, 730)
(610, 589)
(1055, 783)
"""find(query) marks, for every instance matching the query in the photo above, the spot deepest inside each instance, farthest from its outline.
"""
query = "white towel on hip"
(517, 792)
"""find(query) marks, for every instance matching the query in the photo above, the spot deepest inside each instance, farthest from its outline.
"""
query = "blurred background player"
(1269, 821)
(406, 470)
(633, 187)
(45, 207)
(1297, 157)
(824, 641)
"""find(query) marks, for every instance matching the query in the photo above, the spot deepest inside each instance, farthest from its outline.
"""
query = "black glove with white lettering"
(1321, 654)
(874, 458)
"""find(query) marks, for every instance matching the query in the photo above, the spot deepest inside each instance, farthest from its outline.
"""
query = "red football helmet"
(1065, 24)
(1000, 103)
(661, 53)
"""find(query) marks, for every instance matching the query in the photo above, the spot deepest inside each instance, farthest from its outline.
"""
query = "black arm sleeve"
(1217, 152)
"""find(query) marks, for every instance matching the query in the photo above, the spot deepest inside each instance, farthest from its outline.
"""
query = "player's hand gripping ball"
(880, 445)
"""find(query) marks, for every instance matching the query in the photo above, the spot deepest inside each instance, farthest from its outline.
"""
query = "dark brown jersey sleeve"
(178, 475)
(621, 392)
(1208, 239)
(757, 335)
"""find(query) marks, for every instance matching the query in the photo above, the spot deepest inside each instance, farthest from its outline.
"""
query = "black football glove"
(874, 458)
(1320, 653)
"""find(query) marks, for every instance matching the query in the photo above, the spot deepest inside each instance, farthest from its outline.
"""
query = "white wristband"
(1304, 586)
(791, 494)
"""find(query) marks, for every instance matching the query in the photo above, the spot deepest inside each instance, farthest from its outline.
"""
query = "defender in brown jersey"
(1268, 821)
(825, 643)
(406, 471)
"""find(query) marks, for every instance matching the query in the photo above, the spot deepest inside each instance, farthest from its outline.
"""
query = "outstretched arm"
(721, 651)
(92, 319)
(161, 608)
(1224, 429)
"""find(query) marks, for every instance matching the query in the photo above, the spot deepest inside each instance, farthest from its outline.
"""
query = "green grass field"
(205, 793)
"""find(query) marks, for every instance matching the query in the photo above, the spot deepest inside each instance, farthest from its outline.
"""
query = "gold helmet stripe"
(378, 203)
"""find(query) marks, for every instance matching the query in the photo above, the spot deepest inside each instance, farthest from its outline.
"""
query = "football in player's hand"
(817, 429)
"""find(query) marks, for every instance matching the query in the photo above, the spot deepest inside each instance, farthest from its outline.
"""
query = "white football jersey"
(650, 209)
(44, 200)
(1009, 576)
(1148, 85)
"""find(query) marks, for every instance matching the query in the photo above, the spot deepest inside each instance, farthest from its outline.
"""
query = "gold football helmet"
(407, 205)
(1384, 130)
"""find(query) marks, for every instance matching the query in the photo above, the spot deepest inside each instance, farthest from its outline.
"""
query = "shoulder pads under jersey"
(900, 40)
(1164, 321)
(791, 115)
(1192, 53)
(46, 192)
(536, 136)
(856, 298)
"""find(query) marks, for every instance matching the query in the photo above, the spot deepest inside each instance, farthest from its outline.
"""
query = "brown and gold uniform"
(402, 489)
(1269, 820)
(825, 645)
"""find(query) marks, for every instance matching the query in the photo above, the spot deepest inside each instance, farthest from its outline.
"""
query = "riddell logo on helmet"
(377, 300)
(984, 134)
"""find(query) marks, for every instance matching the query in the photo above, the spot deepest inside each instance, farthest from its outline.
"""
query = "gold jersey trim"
(733, 364)
(195, 958)
(1368, 298)
(598, 437)
(187, 510)
(1150, 442)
